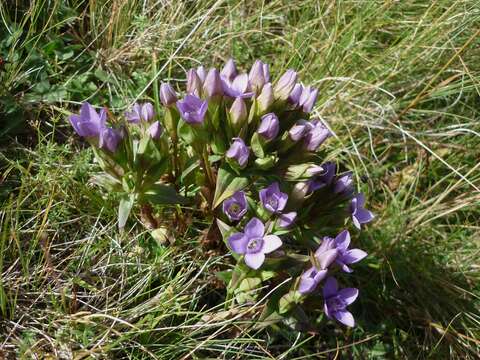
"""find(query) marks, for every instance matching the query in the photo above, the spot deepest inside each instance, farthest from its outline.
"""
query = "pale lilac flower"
(322, 176)
(239, 87)
(265, 99)
(345, 256)
(310, 279)
(253, 243)
(359, 214)
(212, 85)
(269, 126)
(308, 98)
(140, 112)
(273, 199)
(194, 84)
(155, 130)
(109, 139)
(299, 130)
(167, 94)
(287, 220)
(238, 112)
(336, 301)
(192, 109)
(259, 75)
(285, 85)
(344, 184)
(235, 207)
(89, 123)
(201, 73)
(238, 151)
(295, 94)
(316, 135)
(229, 71)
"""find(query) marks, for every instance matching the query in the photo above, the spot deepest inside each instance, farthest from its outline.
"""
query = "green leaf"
(162, 194)
(227, 184)
(225, 276)
(257, 146)
(106, 181)
(124, 209)
(288, 300)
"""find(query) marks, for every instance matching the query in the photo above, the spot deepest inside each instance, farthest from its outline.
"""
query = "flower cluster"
(246, 146)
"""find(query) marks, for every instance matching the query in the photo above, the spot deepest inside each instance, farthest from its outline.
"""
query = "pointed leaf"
(227, 184)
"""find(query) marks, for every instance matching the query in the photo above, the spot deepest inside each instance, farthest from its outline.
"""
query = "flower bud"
(194, 84)
(238, 151)
(229, 71)
(109, 139)
(213, 84)
(259, 75)
(316, 135)
(155, 130)
(294, 96)
(298, 195)
(269, 126)
(167, 94)
(308, 98)
(238, 113)
(299, 130)
(285, 85)
(202, 73)
(265, 99)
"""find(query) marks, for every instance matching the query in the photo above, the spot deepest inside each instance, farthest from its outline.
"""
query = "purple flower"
(213, 84)
(89, 123)
(192, 109)
(285, 85)
(273, 199)
(308, 98)
(259, 75)
(155, 130)
(140, 112)
(269, 126)
(201, 73)
(194, 84)
(360, 215)
(322, 176)
(295, 94)
(343, 184)
(109, 139)
(265, 99)
(336, 301)
(345, 256)
(310, 279)
(167, 94)
(316, 135)
(238, 151)
(286, 220)
(253, 243)
(299, 130)
(239, 87)
(235, 207)
(229, 71)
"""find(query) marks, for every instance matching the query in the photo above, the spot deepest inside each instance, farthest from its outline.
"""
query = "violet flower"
(298, 130)
(259, 75)
(109, 139)
(235, 207)
(194, 84)
(229, 71)
(238, 151)
(89, 123)
(316, 135)
(344, 184)
(295, 94)
(201, 73)
(273, 199)
(167, 94)
(155, 130)
(310, 279)
(336, 301)
(322, 176)
(269, 126)
(308, 98)
(253, 243)
(239, 87)
(213, 84)
(287, 220)
(359, 214)
(345, 256)
(140, 112)
(192, 109)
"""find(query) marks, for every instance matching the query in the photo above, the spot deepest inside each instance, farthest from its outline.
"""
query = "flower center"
(336, 303)
(254, 245)
(235, 208)
(273, 202)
